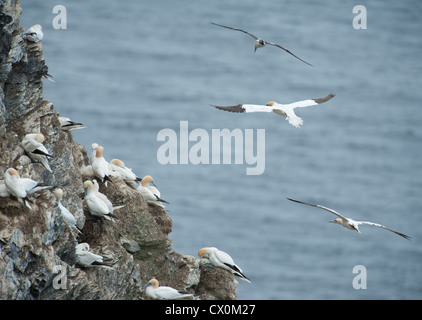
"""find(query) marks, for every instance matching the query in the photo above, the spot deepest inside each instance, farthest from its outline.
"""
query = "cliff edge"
(37, 246)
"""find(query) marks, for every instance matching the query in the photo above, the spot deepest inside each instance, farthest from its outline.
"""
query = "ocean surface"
(128, 69)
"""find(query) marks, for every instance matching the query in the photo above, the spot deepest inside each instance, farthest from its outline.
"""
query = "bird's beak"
(148, 284)
(153, 184)
(332, 221)
(86, 190)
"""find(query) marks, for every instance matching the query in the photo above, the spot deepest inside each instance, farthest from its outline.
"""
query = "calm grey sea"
(128, 69)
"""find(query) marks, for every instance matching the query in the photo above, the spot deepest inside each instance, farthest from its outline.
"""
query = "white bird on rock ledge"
(285, 110)
(20, 187)
(67, 215)
(100, 166)
(96, 206)
(69, 125)
(222, 260)
(34, 33)
(350, 223)
(88, 259)
(34, 148)
(150, 193)
(153, 290)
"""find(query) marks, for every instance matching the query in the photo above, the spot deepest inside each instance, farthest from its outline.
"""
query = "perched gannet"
(285, 110)
(221, 259)
(259, 43)
(34, 33)
(350, 223)
(94, 147)
(153, 290)
(104, 198)
(34, 148)
(68, 125)
(100, 166)
(150, 193)
(4, 192)
(67, 215)
(87, 258)
(95, 205)
(118, 169)
(20, 187)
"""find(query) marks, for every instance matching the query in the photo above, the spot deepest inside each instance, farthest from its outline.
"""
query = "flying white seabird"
(259, 43)
(350, 223)
(285, 110)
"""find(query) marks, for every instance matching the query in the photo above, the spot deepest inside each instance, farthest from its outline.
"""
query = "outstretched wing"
(384, 227)
(310, 102)
(236, 29)
(321, 207)
(288, 51)
(242, 108)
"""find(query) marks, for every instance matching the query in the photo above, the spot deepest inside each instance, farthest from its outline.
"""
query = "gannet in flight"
(222, 260)
(350, 223)
(285, 110)
(151, 193)
(153, 290)
(259, 43)
(34, 148)
(34, 33)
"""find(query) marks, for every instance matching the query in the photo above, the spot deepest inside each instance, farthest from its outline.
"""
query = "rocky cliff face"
(37, 247)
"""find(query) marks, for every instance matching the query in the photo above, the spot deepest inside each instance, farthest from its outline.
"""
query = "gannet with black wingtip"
(95, 205)
(350, 223)
(86, 258)
(100, 166)
(150, 193)
(21, 187)
(68, 125)
(32, 143)
(259, 43)
(222, 260)
(118, 169)
(67, 215)
(34, 33)
(285, 110)
(153, 290)
(104, 198)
